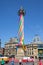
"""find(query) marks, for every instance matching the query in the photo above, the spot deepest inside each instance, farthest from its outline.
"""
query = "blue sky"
(9, 19)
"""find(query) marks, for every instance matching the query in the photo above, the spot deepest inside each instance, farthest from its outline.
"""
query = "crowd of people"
(20, 62)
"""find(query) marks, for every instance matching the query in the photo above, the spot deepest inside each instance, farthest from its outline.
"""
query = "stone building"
(2, 51)
(10, 47)
(35, 48)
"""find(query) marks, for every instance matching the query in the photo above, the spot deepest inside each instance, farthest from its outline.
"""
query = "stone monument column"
(20, 50)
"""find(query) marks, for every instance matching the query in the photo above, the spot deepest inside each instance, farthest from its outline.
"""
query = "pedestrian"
(12, 61)
(40, 62)
(33, 63)
(2, 62)
(27, 61)
(20, 62)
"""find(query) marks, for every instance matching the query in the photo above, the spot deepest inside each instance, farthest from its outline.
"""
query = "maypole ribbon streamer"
(21, 30)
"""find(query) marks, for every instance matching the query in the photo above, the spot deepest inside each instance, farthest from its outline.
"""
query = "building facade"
(10, 47)
(32, 50)
(35, 48)
(2, 51)
(40, 50)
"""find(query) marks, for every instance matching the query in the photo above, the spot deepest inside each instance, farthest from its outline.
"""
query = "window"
(32, 48)
(36, 57)
(32, 52)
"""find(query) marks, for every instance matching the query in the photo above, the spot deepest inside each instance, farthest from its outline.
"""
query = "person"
(33, 63)
(20, 62)
(12, 61)
(40, 62)
(27, 61)
(2, 62)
